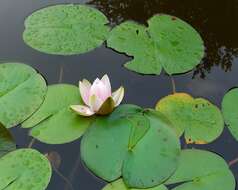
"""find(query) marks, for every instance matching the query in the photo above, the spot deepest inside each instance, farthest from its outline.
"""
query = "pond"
(217, 23)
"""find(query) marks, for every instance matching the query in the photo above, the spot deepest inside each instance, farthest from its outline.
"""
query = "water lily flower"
(98, 97)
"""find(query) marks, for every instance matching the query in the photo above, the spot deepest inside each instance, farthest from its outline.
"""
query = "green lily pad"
(230, 111)
(168, 42)
(120, 185)
(66, 29)
(55, 122)
(150, 162)
(24, 169)
(7, 143)
(202, 170)
(22, 91)
(201, 121)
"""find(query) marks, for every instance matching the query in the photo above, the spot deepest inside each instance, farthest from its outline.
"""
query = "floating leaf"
(7, 143)
(120, 185)
(55, 122)
(66, 29)
(22, 91)
(202, 170)
(24, 169)
(150, 162)
(167, 42)
(201, 121)
(230, 111)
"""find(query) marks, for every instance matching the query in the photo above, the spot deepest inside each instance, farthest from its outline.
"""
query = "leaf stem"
(61, 73)
(33, 140)
(233, 162)
(173, 84)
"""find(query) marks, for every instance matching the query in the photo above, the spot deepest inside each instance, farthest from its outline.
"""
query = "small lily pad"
(66, 29)
(168, 42)
(230, 111)
(120, 185)
(202, 170)
(201, 121)
(55, 122)
(7, 143)
(151, 160)
(24, 169)
(22, 91)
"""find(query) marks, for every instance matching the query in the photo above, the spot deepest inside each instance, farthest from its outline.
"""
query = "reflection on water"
(211, 18)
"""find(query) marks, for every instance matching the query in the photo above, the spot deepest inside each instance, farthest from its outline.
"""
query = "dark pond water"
(217, 22)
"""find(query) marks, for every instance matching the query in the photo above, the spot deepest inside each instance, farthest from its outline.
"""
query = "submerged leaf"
(120, 185)
(7, 143)
(201, 121)
(152, 159)
(24, 169)
(202, 170)
(168, 42)
(230, 111)
(22, 91)
(55, 122)
(66, 29)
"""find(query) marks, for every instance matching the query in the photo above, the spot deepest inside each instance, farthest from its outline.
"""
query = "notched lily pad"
(149, 162)
(230, 111)
(24, 169)
(22, 91)
(200, 120)
(120, 185)
(55, 122)
(202, 170)
(7, 143)
(66, 29)
(168, 42)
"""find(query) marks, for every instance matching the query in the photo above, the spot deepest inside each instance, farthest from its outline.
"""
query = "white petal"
(106, 81)
(100, 90)
(82, 110)
(95, 103)
(118, 96)
(84, 88)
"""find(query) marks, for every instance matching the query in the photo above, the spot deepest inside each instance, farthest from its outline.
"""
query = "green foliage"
(201, 121)
(55, 122)
(24, 169)
(151, 160)
(65, 29)
(168, 42)
(22, 91)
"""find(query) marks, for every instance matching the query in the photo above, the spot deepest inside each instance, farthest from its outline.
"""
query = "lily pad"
(201, 121)
(202, 170)
(230, 111)
(7, 143)
(168, 42)
(150, 162)
(24, 169)
(120, 185)
(66, 29)
(22, 91)
(55, 122)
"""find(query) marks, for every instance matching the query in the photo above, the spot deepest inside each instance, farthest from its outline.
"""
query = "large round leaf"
(201, 121)
(144, 157)
(7, 143)
(24, 169)
(230, 111)
(65, 29)
(55, 122)
(22, 91)
(202, 170)
(120, 185)
(167, 42)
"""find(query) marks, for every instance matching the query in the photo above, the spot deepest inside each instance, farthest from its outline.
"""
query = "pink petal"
(118, 95)
(107, 83)
(84, 88)
(82, 110)
(95, 103)
(100, 90)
